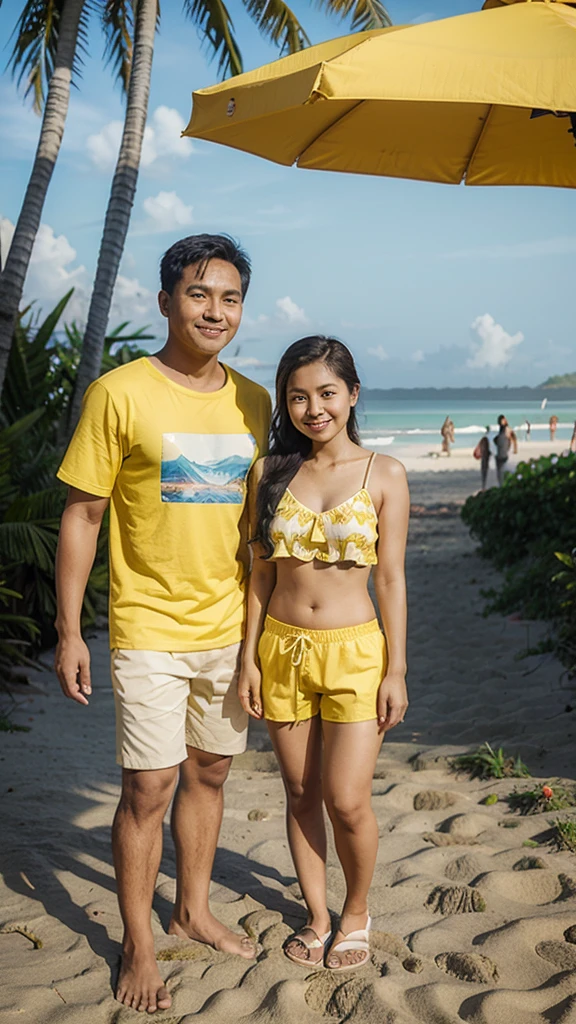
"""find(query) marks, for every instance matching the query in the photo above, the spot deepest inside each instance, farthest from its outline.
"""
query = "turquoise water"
(404, 422)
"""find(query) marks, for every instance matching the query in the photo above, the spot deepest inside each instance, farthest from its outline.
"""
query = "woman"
(447, 434)
(315, 663)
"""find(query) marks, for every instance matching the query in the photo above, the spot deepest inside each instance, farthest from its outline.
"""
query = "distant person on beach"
(553, 423)
(315, 664)
(573, 439)
(167, 442)
(502, 443)
(447, 434)
(527, 429)
(482, 452)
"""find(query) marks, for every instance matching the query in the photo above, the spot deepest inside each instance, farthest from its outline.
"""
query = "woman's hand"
(392, 702)
(250, 690)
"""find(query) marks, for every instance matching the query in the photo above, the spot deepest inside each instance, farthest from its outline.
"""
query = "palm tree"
(277, 22)
(50, 36)
(62, 42)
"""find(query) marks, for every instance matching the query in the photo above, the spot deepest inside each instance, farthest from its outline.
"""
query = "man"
(502, 444)
(168, 441)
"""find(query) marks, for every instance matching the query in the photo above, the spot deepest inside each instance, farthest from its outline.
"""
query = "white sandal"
(318, 942)
(357, 941)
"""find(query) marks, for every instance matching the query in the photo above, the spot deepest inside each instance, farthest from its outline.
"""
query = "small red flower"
(547, 792)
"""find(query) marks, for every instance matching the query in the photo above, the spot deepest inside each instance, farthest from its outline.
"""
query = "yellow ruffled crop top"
(346, 533)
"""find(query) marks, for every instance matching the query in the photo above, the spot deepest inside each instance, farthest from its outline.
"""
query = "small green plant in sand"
(565, 834)
(542, 798)
(7, 725)
(487, 763)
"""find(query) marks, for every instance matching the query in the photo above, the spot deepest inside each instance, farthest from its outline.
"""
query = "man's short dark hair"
(201, 249)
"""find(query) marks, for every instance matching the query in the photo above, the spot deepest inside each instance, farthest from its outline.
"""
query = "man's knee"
(147, 793)
(202, 768)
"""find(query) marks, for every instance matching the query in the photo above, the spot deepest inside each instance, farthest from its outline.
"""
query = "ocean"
(386, 423)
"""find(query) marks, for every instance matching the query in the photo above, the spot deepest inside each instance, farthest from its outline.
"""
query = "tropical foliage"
(528, 529)
(33, 413)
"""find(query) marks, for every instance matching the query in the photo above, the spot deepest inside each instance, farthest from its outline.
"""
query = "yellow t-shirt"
(174, 463)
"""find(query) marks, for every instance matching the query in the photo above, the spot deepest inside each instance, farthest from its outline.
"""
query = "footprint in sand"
(445, 839)
(529, 864)
(467, 825)
(472, 967)
(434, 800)
(455, 899)
(334, 996)
(534, 887)
(413, 964)
(464, 868)
(561, 954)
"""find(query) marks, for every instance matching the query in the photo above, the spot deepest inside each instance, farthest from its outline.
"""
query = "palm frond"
(29, 544)
(215, 26)
(118, 25)
(36, 41)
(277, 22)
(365, 14)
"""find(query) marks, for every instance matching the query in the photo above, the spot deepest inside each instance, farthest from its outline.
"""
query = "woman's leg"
(350, 752)
(298, 748)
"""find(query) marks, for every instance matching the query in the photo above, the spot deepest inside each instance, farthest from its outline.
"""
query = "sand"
(469, 923)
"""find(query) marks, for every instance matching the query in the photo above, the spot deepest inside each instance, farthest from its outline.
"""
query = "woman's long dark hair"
(288, 446)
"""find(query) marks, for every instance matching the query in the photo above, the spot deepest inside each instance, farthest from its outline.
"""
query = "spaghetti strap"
(368, 469)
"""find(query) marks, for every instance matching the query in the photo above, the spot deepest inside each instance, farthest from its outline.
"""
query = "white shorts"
(166, 701)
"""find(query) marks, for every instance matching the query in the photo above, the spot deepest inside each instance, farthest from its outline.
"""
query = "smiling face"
(205, 308)
(319, 401)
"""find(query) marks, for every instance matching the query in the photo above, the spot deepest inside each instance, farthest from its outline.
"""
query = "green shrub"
(486, 763)
(524, 527)
(532, 513)
(33, 424)
(549, 797)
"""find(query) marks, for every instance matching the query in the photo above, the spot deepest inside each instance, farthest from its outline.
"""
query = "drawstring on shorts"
(297, 646)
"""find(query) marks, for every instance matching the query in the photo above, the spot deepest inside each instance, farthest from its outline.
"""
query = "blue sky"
(429, 284)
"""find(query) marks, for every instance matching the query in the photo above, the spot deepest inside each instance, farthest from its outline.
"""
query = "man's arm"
(79, 531)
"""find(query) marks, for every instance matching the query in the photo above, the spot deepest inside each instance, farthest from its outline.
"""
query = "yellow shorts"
(336, 672)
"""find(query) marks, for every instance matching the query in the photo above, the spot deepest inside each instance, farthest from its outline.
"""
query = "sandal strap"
(350, 943)
(355, 940)
(317, 943)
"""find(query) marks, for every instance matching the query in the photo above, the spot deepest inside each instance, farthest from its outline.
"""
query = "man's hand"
(72, 664)
(392, 702)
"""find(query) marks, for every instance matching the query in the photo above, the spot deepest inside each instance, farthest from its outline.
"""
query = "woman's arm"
(260, 587)
(390, 585)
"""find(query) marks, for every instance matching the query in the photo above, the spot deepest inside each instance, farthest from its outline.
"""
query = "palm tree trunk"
(120, 204)
(53, 121)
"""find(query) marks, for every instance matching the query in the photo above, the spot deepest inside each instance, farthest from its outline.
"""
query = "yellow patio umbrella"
(487, 98)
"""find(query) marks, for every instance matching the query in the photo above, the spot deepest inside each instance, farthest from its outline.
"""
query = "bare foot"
(214, 934)
(140, 985)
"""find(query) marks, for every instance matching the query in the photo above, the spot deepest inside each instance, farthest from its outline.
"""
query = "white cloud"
(161, 140)
(379, 353)
(247, 362)
(289, 311)
(167, 212)
(132, 301)
(54, 270)
(418, 356)
(496, 345)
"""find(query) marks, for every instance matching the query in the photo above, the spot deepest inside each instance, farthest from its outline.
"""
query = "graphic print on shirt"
(206, 469)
